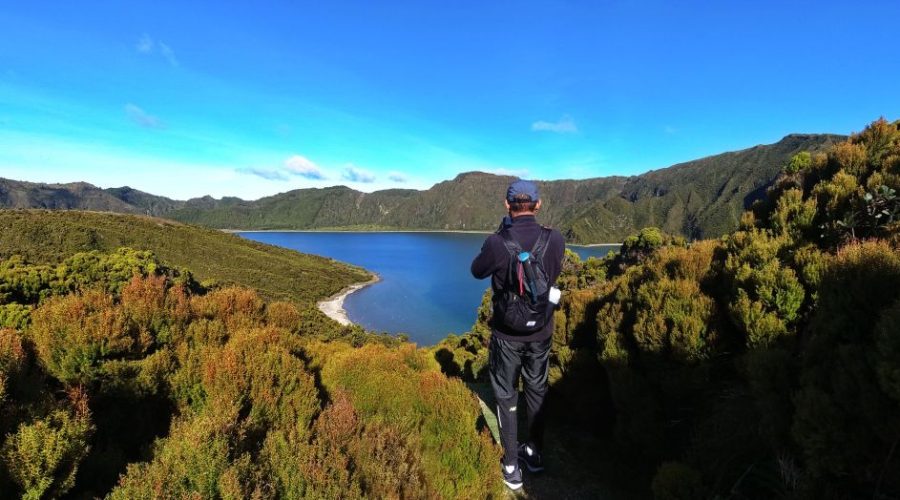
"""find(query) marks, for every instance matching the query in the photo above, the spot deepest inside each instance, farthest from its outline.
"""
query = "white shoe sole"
(512, 486)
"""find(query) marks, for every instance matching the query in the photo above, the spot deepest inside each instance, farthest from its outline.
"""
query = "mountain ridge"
(698, 198)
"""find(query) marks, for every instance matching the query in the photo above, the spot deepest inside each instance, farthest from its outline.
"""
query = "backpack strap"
(512, 246)
(543, 241)
(515, 250)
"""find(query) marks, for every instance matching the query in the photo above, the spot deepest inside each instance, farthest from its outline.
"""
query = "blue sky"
(262, 97)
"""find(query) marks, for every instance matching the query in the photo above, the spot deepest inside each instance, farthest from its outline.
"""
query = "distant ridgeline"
(698, 199)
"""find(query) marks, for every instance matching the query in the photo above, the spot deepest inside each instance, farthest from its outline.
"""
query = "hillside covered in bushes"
(124, 377)
(212, 257)
(761, 364)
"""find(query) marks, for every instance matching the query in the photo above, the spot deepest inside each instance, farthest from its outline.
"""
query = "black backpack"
(523, 306)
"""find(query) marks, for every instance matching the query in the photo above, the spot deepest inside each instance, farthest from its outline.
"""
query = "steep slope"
(701, 198)
(82, 196)
(698, 199)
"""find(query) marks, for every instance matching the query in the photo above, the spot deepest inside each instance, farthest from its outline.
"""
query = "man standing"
(524, 260)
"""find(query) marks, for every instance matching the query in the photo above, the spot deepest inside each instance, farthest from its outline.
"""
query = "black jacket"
(493, 261)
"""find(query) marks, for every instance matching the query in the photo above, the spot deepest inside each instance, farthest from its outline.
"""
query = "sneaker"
(512, 478)
(531, 458)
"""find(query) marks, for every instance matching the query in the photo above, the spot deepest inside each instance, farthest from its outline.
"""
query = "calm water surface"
(425, 291)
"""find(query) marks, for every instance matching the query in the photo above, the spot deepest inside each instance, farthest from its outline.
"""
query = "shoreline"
(333, 306)
(464, 231)
(338, 231)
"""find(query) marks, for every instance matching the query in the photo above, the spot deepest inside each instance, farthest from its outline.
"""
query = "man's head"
(522, 198)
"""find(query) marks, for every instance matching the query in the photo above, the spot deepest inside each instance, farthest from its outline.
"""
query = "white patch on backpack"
(531, 323)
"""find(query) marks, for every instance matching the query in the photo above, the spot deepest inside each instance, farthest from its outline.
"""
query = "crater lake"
(425, 290)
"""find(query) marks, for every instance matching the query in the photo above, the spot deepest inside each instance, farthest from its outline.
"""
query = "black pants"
(508, 359)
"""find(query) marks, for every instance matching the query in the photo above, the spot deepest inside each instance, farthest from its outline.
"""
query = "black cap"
(521, 187)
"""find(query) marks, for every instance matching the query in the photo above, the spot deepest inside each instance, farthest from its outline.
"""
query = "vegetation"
(213, 257)
(761, 364)
(143, 358)
(702, 198)
(125, 377)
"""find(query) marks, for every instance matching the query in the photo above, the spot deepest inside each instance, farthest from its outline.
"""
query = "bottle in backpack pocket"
(555, 295)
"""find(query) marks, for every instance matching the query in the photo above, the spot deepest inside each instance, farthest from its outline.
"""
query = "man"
(525, 349)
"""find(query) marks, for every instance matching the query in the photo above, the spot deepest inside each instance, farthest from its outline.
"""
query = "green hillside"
(701, 198)
(45, 236)
(697, 199)
(761, 364)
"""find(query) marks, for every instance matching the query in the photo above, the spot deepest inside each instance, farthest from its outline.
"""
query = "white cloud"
(146, 45)
(167, 52)
(564, 125)
(303, 167)
(397, 176)
(354, 174)
(142, 118)
(267, 174)
(521, 173)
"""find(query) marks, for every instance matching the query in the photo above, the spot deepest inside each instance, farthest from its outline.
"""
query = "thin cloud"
(397, 177)
(354, 174)
(167, 52)
(670, 129)
(267, 174)
(521, 173)
(142, 118)
(147, 45)
(303, 167)
(564, 125)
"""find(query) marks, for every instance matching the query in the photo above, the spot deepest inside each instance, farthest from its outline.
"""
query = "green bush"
(403, 389)
(847, 420)
(42, 457)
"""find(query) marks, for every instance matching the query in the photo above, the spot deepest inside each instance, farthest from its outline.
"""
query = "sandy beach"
(333, 307)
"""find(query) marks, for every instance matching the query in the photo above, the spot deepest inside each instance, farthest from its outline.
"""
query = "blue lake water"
(426, 290)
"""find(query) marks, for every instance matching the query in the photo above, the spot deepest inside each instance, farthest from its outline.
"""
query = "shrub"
(283, 315)
(403, 389)
(270, 385)
(42, 457)
(767, 296)
(73, 334)
(673, 317)
(800, 161)
(15, 316)
(12, 361)
(189, 463)
(847, 419)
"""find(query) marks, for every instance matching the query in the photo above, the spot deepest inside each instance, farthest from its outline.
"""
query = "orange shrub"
(403, 389)
(73, 334)
(283, 315)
